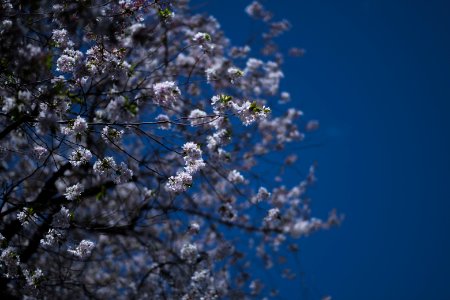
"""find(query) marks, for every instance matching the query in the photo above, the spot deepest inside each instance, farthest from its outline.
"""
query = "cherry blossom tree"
(131, 138)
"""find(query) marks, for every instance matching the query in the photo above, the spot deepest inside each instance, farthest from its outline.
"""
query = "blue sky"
(377, 76)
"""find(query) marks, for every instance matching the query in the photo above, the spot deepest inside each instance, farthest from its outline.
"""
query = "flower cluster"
(192, 155)
(197, 117)
(77, 127)
(80, 157)
(201, 37)
(61, 39)
(262, 194)
(74, 192)
(11, 260)
(123, 174)
(112, 135)
(257, 11)
(272, 215)
(40, 152)
(69, 60)
(33, 278)
(235, 176)
(189, 252)
(166, 93)
(83, 250)
(163, 122)
(219, 138)
(204, 40)
(179, 182)
(234, 73)
(140, 126)
(62, 218)
(51, 238)
(106, 166)
(26, 215)
(251, 112)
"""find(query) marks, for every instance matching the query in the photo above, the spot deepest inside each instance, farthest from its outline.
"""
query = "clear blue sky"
(377, 76)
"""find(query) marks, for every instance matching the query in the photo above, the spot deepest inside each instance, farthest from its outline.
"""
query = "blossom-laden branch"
(133, 138)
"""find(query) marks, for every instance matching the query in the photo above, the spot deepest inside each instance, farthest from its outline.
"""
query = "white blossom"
(8, 104)
(262, 194)
(60, 37)
(166, 93)
(239, 52)
(179, 183)
(218, 139)
(299, 228)
(120, 109)
(106, 166)
(212, 74)
(74, 191)
(204, 40)
(51, 238)
(62, 218)
(285, 97)
(40, 152)
(111, 135)
(201, 279)
(123, 174)
(69, 60)
(83, 250)
(24, 95)
(253, 64)
(33, 278)
(164, 122)
(250, 112)
(234, 73)
(191, 151)
(189, 253)
(5, 25)
(193, 166)
(255, 287)
(26, 215)
(193, 157)
(201, 37)
(197, 117)
(22, 217)
(272, 215)
(235, 176)
(194, 228)
(80, 157)
(11, 260)
(257, 11)
(277, 28)
(148, 193)
(78, 126)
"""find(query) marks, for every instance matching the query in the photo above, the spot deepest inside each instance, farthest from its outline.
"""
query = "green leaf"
(228, 133)
(254, 107)
(131, 106)
(225, 99)
(49, 62)
(164, 13)
(100, 195)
